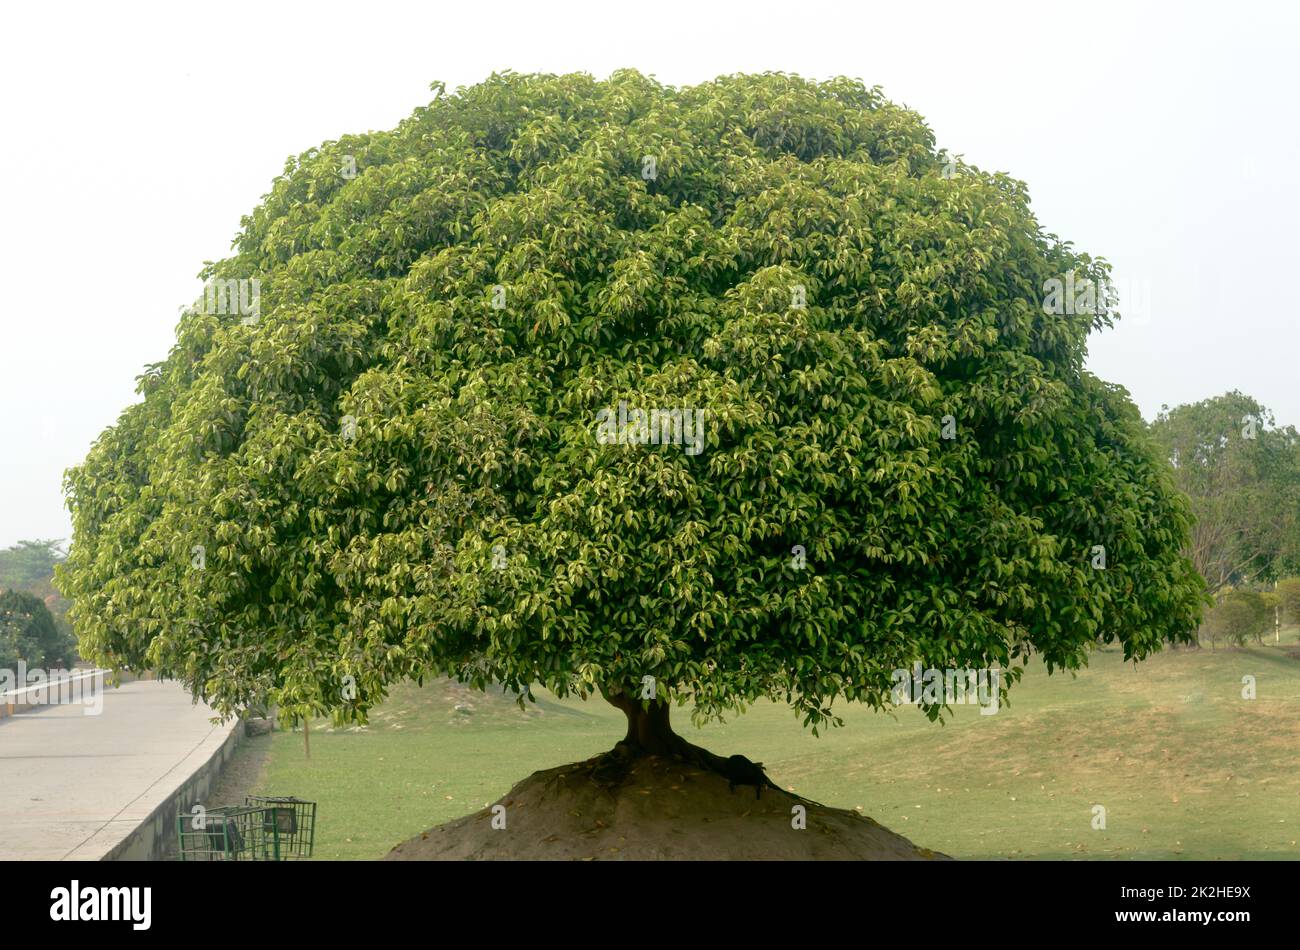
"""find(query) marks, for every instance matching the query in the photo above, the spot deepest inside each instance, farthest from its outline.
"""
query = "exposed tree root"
(649, 733)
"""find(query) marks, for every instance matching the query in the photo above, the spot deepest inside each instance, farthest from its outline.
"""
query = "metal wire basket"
(228, 833)
(293, 822)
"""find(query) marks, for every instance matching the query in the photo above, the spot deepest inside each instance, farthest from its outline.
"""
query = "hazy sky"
(1162, 136)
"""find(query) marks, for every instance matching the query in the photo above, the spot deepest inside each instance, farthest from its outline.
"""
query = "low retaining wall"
(155, 836)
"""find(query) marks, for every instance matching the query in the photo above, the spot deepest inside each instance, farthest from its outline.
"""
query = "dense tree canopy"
(406, 461)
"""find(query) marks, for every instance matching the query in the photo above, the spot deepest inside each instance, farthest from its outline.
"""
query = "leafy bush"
(1238, 616)
(1288, 592)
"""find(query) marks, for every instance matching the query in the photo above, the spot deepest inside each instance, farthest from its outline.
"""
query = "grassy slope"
(1184, 766)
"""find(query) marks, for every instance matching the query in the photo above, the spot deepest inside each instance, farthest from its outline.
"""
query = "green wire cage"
(262, 829)
(227, 833)
(294, 821)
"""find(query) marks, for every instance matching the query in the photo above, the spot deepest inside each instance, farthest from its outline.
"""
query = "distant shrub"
(1238, 616)
(1288, 592)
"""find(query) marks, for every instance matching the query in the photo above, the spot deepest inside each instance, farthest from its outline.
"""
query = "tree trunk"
(648, 729)
(650, 733)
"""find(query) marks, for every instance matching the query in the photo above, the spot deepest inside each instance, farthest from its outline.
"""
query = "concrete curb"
(156, 833)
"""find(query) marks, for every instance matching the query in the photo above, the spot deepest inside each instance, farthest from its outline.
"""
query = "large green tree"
(409, 457)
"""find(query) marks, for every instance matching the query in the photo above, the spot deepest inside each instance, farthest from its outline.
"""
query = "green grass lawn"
(1184, 766)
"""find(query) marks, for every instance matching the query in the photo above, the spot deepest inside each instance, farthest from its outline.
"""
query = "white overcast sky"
(1162, 136)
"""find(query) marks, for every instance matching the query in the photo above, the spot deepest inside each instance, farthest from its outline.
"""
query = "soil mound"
(658, 809)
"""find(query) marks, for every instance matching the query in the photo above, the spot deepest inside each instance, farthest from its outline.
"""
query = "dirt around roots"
(661, 809)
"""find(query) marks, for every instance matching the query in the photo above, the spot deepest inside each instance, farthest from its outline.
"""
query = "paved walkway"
(72, 786)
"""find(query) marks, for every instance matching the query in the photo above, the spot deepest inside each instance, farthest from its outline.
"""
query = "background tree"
(1242, 474)
(28, 633)
(10, 629)
(29, 566)
(396, 467)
